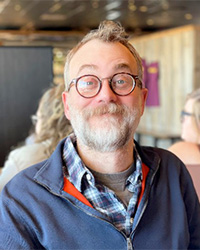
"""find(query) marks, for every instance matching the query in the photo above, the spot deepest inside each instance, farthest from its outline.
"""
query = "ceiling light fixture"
(18, 7)
(143, 8)
(188, 16)
(132, 7)
(113, 5)
(55, 7)
(150, 22)
(112, 15)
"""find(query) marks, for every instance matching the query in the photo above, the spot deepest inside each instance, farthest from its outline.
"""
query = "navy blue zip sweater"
(36, 213)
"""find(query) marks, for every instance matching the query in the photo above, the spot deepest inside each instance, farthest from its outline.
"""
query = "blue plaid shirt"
(102, 198)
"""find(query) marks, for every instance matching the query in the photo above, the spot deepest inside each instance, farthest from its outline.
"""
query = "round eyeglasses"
(121, 84)
(184, 113)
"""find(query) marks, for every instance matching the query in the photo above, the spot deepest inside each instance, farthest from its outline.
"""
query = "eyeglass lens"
(121, 84)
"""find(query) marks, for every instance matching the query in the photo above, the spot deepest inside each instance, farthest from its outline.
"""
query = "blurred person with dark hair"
(100, 189)
(51, 126)
(188, 150)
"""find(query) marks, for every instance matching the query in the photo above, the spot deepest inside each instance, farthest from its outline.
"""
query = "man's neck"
(107, 162)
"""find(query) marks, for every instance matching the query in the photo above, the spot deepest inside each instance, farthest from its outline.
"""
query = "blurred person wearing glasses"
(188, 150)
(50, 127)
(100, 189)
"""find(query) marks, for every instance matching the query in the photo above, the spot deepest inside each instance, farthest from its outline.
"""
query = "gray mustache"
(105, 109)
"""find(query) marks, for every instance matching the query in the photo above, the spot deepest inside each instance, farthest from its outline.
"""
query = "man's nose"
(106, 94)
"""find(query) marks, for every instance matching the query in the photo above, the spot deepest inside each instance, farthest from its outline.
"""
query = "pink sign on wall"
(151, 82)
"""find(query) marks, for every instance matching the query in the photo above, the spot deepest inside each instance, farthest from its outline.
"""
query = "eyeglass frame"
(184, 113)
(135, 77)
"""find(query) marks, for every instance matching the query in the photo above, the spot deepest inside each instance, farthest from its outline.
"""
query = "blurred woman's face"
(190, 131)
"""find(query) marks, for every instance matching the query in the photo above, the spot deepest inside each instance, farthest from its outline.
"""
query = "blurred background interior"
(35, 36)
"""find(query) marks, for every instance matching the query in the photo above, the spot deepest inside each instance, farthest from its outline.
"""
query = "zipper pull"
(129, 244)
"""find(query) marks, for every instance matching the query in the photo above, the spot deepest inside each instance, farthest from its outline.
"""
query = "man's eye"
(120, 82)
(85, 83)
(89, 83)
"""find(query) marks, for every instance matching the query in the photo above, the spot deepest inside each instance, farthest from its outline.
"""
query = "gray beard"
(114, 133)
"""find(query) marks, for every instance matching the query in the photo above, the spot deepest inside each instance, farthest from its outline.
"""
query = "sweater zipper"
(128, 239)
(145, 204)
(129, 244)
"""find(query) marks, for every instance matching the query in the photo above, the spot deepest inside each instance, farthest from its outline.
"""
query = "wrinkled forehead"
(101, 54)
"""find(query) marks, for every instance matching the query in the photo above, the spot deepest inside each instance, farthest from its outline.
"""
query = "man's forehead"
(94, 67)
(96, 53)
(96, 45)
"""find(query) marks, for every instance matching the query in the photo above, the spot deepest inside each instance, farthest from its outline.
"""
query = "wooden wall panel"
(175, 51)
(197, 58)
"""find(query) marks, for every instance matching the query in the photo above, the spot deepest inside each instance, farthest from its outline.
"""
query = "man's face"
(107, 121)
(190, 130)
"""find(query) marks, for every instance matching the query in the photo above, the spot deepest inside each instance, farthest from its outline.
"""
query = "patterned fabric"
(102, 198)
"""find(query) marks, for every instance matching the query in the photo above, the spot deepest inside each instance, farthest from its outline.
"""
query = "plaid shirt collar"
(76, 170)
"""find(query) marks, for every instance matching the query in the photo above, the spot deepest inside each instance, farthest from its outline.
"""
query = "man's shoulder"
(155, 153)
(29, 172)
(48, 171)
(162, 160)
(22, 183)
(155, 150)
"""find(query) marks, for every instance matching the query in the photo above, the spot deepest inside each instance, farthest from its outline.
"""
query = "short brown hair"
(108, 31)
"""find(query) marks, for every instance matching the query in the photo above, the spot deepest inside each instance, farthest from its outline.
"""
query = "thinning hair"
(54, 124)
(108, 31)
(195, 95)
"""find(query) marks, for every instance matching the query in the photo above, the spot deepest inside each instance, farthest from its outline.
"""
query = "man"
(99, 189)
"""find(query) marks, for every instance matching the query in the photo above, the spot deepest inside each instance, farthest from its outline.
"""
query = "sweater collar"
(51, 173)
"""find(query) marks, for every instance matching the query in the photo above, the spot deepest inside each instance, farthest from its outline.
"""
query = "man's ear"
(144, 98)
(65, 103)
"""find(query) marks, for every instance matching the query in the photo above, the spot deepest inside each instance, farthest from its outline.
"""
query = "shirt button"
(88, 176)
(89, 179)
(131, 220)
